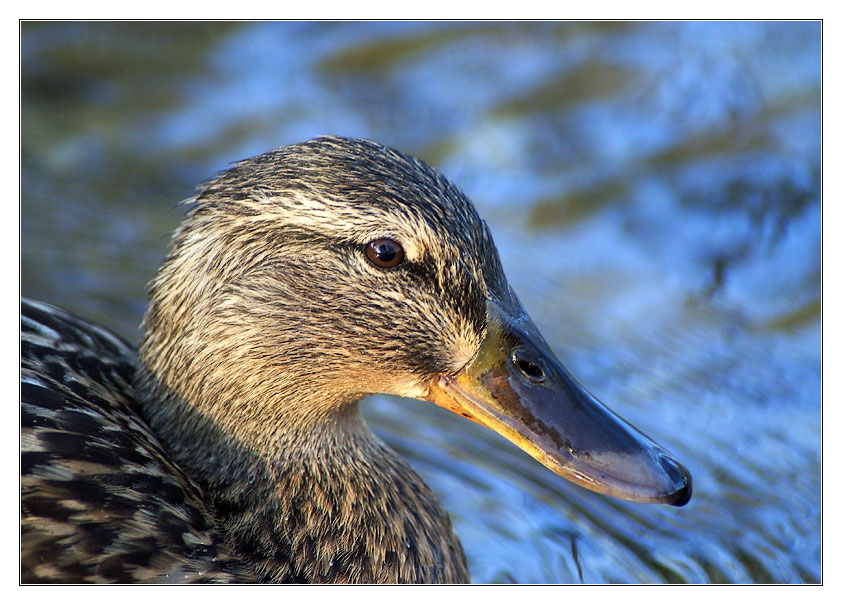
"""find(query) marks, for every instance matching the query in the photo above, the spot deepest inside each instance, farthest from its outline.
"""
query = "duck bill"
(517, 387)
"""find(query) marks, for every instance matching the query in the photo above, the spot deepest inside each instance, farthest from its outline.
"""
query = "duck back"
(101, 499)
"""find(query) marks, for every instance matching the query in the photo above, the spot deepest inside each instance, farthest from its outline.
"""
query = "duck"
(229, 446)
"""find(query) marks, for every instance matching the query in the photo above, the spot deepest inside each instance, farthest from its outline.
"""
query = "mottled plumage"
(231, 446)
(101, 497)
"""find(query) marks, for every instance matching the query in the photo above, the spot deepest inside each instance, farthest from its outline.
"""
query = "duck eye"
(385, 253)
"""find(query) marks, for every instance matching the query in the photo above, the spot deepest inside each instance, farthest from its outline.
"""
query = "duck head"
(309, 277)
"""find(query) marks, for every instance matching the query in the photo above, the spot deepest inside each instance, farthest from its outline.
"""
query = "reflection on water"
(653, 190)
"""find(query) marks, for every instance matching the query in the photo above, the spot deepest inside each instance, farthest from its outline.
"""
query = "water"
(653, 189)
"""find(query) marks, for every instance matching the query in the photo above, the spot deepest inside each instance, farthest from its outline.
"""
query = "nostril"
(531, 371)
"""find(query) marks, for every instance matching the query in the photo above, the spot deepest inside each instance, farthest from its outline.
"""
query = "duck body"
(230, 446)
(104, 501)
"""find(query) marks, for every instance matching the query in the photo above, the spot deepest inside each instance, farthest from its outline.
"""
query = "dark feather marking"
(97, 508)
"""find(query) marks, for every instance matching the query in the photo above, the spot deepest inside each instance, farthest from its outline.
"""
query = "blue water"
(653, 189)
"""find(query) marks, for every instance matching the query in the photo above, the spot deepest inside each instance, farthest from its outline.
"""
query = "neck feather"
(318, 501)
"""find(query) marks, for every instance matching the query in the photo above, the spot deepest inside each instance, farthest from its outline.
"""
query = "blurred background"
(653, 188)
